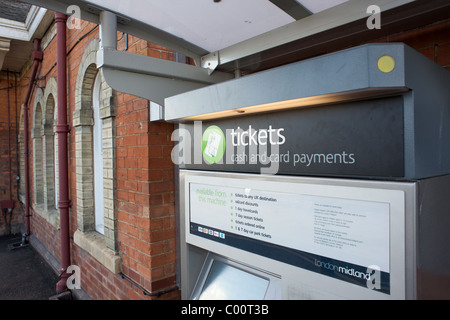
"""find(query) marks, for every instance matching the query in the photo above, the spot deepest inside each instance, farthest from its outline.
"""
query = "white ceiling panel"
(210, 25)
(316, 6)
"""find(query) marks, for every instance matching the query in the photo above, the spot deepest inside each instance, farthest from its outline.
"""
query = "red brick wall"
(40, 228)
(8, 151)
(433, 41)
(145, 195)
(145, 188)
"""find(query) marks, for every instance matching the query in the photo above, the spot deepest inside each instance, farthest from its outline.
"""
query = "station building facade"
(123, 223)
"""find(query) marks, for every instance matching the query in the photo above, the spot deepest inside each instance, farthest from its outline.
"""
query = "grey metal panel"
(389, 79)
(430, 111)
(152, 88)
(409, 143)
(292, 8)
(345, 71)
(108, 57)
(433, 238)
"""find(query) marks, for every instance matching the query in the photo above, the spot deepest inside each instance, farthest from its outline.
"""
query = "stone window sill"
(51, 216)
(94, 243)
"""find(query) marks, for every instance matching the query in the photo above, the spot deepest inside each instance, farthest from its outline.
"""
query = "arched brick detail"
(48, 141)
(38, 160)
(82, 123)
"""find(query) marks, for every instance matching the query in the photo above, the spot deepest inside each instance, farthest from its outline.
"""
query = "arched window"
(55, 158)
(45, 182)
(93, 126)
(38, 164)
(99, 202)
(21, 140)
(50, 146)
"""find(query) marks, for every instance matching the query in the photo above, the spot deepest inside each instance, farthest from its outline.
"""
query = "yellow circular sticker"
(386, 64)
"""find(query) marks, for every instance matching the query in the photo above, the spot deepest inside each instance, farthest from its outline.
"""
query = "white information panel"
(350, 230)
(339, 231)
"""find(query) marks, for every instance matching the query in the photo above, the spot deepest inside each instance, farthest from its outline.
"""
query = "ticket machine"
(323, 179)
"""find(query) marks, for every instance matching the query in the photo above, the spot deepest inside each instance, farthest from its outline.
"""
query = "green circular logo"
(213, 144)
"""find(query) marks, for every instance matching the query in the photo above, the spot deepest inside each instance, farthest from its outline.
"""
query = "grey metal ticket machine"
(327, 178)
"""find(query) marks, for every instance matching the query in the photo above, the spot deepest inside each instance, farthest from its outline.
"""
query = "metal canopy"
(214, 25)
(226, 36)
(216, 32)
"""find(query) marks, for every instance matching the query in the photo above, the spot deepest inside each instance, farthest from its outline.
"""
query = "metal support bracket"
(210, 61)
(146, 77)
(151, 78)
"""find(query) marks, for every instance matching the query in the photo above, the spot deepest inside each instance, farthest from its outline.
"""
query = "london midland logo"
(213, 144)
